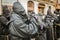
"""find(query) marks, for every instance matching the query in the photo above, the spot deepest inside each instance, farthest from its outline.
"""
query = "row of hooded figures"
(21, 26)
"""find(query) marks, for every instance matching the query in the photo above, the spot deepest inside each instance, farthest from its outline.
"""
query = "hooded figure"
(4, 21)
(20, 27)
(49, 20)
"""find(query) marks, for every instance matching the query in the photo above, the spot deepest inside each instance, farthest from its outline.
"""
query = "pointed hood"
(18, 8)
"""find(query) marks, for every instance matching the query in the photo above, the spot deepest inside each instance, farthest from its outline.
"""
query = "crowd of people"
(22, 26)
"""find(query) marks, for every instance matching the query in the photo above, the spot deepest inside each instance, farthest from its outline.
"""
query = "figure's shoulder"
(15, 16)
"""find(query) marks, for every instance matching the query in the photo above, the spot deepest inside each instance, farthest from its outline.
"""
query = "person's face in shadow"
(30, 6)
(6, 12)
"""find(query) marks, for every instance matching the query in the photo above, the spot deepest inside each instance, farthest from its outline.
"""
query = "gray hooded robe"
(18, 27)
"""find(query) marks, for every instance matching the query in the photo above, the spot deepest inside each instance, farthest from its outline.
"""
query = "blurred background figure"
(4, 19)
(42, 26)
(49, 19)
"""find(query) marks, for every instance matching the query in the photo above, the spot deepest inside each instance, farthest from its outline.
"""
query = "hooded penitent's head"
(6, 12)
(18, 8)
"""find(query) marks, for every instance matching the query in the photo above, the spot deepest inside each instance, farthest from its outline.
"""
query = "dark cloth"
(49, 19)
(41, 35)
(18, 38)
(49, 24)
(3, 25)
(56, 12)
(49, 34)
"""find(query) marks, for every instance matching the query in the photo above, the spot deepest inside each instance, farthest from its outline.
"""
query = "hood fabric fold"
(18, 8)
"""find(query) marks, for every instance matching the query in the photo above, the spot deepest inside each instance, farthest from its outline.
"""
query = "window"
(58, 1)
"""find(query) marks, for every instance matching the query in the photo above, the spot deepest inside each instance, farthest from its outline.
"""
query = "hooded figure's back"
(19, 27)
